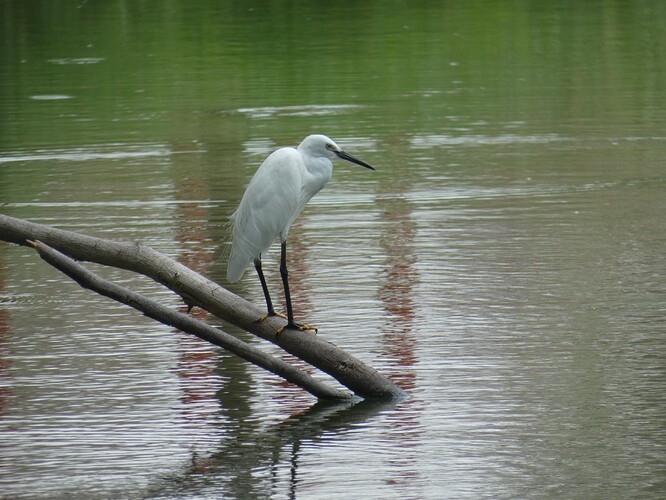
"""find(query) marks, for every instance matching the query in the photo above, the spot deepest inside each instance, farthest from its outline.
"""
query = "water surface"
(504, 264)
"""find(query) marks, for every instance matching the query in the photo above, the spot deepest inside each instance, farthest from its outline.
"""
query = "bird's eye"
(329, 146)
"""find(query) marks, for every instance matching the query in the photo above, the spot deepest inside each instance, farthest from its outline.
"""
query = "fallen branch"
(197, 290)
(189, 324)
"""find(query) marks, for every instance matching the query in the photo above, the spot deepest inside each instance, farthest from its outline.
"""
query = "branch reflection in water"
(272, 461)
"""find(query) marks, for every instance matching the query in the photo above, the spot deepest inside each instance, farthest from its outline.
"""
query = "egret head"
(320, 145)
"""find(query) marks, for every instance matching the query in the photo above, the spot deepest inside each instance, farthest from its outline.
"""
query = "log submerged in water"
(196, 290)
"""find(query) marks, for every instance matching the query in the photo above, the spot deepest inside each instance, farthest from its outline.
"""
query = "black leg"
(264, 286)
(287, 295)
(285, 281)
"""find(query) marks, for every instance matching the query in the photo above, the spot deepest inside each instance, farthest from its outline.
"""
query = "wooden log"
(189, 324)
(197, 290)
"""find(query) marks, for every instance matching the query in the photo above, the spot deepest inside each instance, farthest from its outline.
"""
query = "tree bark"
(197, 290)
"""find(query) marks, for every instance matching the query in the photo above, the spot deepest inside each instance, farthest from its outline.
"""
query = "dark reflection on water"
(504, 264)
(257, 460)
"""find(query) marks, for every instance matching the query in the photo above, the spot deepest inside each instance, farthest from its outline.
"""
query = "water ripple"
(77, 60)
(304, 110)
(93, 152)
(432, 140)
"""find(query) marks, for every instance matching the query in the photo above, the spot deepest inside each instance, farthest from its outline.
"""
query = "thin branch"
(152, 309)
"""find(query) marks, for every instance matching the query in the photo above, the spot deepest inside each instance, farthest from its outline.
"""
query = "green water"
(504, 264)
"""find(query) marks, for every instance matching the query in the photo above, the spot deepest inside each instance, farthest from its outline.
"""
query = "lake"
(505, 264)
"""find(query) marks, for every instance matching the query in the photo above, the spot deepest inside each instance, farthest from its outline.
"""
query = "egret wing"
(267, 208)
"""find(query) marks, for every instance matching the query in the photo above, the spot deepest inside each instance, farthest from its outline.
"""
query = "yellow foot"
(297, 326)
(269, 314)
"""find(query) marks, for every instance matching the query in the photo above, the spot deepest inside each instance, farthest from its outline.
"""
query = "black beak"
(353, 159)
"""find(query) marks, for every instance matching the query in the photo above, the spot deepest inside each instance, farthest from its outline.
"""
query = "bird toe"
(298, 327)
(269, 314)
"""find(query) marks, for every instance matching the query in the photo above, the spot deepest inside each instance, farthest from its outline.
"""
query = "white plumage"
(274, 198)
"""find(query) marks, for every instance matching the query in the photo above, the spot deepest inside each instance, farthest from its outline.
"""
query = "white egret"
(276, 195)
